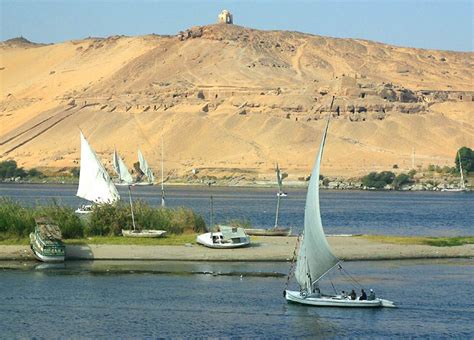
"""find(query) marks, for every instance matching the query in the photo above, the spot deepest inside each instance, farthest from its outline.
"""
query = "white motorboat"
(144, 233)
(95, 184)
(226, 238)
(315, 258)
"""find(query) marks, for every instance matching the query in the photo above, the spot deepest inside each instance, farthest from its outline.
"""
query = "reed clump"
(17, 221)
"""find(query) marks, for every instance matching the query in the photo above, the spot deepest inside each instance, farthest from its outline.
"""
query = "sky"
(434, 24)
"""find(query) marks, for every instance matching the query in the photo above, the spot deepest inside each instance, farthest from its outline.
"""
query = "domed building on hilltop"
(225, 17)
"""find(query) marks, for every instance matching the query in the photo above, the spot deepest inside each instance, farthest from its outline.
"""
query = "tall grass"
(17, 221)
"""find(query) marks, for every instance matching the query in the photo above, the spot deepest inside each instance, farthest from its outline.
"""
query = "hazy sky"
(428, 24)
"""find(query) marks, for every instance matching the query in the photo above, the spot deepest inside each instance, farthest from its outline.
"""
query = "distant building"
(225, 17)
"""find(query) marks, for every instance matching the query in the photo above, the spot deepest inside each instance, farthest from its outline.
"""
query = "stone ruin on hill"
(225, 17)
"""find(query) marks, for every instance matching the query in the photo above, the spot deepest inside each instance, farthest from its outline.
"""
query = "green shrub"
(15, 220)
(378, 180)
(69, 223)
(467, 159)
(401, 179)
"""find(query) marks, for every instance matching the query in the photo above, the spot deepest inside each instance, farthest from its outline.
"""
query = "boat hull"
(42, 257)
(269, 232)
(335, 301)
(206, 240)
(150, 233)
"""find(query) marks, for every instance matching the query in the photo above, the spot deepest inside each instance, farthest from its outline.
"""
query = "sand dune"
(232, 101)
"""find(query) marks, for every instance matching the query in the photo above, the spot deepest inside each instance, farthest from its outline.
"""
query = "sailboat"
(276, 230)
(462, 185)
(145, 168)
(95, 184)
(315, 258)
(163, 201)
(124, 176)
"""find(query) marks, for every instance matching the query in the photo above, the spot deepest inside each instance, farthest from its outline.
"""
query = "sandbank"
(278, 249)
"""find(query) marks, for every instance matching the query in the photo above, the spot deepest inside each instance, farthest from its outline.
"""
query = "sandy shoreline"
(262, 249)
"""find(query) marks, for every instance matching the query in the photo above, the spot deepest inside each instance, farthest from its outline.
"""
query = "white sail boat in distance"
(95, 184)
(462, 185)
(124, 176)
(315, 258)
(145, 168)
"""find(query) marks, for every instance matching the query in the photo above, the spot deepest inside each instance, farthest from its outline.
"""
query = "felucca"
(276, 230)
(462, 185)
(95, 184)
(315, 258)
(145, 168)
(124, 176)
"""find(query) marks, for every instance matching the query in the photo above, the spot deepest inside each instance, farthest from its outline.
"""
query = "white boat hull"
(143, 233)
(44, 258)
(335, 301)
(207, 241)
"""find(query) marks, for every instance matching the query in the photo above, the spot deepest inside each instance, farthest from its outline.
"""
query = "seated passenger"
(371, 295)
(353, 295)
(363, 296)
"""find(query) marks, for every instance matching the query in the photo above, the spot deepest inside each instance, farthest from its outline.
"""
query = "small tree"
(467, 159)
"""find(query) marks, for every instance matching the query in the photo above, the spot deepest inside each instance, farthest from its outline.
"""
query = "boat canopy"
(231, 232)
(315, 257)
(121, 169)
(94, 181)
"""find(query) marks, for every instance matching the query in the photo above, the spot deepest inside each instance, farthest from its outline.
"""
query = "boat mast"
(162, 176)
(460, 170)
(277, 211)
(131, 207)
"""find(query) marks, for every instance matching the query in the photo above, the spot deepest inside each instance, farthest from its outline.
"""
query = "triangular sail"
(315, 257)
(145, 168)
(279, 178)
(94, 181)
(121, 169)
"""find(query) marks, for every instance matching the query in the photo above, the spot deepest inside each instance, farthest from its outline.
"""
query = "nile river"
(167, 299)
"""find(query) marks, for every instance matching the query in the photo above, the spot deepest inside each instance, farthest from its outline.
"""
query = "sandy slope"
(232, 101)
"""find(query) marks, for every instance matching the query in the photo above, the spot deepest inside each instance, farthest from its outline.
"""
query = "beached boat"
(315, 258)
(225, 238)
(462, 185)
(144, 233)
(46, 241)
(95, 184)
(146, 170)
(276, 230)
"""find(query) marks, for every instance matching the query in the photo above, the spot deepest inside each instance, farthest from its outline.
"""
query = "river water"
(343, 212)
(168, 299)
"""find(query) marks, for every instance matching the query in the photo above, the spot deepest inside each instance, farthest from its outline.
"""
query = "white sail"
(121, 169)
(279, 178)
(315, 257)
(94, 181)
(145, 168)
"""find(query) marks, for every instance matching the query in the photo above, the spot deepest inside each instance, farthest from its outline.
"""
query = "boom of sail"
(315, 257)
(94, 182)
(144, 167)
(121, 169)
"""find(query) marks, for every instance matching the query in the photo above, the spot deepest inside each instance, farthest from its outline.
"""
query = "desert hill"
(231, 101)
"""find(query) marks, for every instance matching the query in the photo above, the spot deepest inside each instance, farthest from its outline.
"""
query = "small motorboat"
(46, 241)
(225, 238)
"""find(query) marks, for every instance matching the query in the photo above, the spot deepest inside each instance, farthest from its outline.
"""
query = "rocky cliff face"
(231, 101)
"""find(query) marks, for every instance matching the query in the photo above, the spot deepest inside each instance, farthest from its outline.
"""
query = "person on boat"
(363, 295)
(316, 291)
(371, 295)
(353, 295)
(344, 295)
